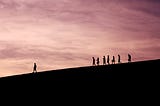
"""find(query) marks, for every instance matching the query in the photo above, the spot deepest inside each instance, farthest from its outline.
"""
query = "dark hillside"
(142, 70)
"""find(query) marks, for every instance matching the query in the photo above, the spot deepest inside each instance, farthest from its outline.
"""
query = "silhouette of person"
(119, 59)
(113, 60)
(108, 60)
(35, 68)
(94, 61)
(104, 60)
(98, 61)
(129, 58)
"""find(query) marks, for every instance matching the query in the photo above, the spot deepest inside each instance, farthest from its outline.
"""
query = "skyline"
(68, 33)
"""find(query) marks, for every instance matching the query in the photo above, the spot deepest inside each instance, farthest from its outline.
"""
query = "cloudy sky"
(59, 34)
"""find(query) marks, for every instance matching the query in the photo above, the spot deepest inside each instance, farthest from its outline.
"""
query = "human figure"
(35, 68)
(113, 60)
(108, 60)
(98, 61)
(119, 59)
(129, 58)
(94, 61)
(104, 60)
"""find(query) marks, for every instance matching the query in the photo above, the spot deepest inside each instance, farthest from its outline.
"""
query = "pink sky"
(58, 34)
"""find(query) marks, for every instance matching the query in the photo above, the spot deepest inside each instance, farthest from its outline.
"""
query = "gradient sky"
(59, 34)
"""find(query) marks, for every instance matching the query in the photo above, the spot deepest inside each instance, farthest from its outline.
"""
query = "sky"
(59, 34)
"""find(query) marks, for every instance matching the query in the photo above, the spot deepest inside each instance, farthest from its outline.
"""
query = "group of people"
(97, 61)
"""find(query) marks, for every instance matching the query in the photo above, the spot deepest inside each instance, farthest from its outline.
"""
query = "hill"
(142, 70)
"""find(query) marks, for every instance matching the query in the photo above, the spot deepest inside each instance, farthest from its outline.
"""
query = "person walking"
(108, 60)
(104, 60)
(98, 61)
(93, 61)
(129, 58)
(35, 68)
(119, 58)
(113, 60)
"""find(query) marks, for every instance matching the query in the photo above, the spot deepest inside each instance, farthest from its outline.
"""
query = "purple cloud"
(53, 32)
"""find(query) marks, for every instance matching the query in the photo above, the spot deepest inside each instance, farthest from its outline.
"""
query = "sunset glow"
(58, 34)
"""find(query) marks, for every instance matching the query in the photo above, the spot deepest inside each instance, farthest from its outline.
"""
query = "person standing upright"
(129, 58)
(104, 60)
(108, 60)
(119, 59)
(113, 60)
(98, 61)
(94, 61)
(35, 68)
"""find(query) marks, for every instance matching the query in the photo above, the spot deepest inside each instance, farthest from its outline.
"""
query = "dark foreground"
(135, 71)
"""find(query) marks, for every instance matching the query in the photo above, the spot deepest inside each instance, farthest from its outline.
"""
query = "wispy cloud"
(66, 33)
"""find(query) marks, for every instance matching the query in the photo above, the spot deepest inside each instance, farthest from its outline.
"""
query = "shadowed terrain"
(142, 70)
